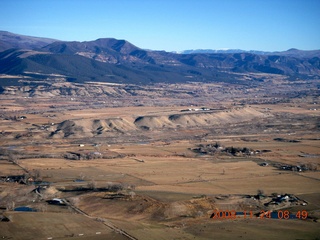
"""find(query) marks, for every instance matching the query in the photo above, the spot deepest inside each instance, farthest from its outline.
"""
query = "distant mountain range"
(194, 51)
(112, 60)
(11, 40)
(293, 52)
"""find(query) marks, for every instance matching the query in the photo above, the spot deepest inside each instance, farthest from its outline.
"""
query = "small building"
(56, 201)
(30, 180)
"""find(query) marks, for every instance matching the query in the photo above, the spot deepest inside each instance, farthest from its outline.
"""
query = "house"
(30, 180)
(264, 164)
(56, 201)
(97, 153)
(281, 198)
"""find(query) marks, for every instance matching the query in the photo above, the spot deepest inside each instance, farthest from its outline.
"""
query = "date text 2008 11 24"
(281, 214)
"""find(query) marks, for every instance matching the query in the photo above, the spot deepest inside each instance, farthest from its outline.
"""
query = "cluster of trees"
(211, 149)
(235, 151)
(92, 185)
(13, 118)
(310, 166)
(13, 155)
(83, 156)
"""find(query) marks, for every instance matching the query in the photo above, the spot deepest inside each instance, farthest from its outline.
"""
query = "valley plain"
(125, 161)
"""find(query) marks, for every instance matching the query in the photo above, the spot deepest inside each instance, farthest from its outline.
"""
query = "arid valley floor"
(104, 161)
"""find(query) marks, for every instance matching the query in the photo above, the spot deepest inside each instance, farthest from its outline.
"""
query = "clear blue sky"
(171, 25)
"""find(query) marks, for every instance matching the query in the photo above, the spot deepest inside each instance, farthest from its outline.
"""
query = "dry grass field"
(45, 225)
(136, 169)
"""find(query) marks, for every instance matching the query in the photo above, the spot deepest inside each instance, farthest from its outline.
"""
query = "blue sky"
(171, 25)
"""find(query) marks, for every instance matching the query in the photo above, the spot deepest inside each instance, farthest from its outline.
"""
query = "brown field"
(55, 225)
(135, 168)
